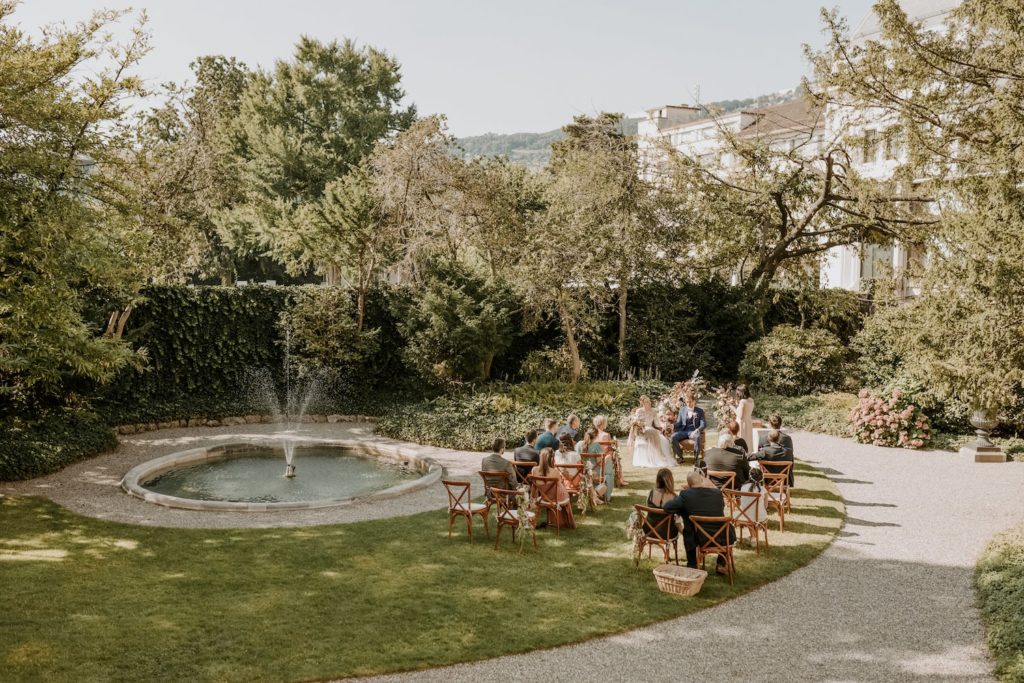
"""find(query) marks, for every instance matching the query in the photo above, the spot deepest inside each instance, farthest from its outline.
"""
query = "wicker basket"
(679, 580)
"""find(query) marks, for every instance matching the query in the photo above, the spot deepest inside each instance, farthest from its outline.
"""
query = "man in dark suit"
(494, 462)
(703, 499)
(773, 451)
(527, 453)
(689, 425)
(785, 440)
(548, 438)
(728, 458)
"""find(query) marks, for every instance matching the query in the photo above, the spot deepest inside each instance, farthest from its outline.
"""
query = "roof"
(795, 116)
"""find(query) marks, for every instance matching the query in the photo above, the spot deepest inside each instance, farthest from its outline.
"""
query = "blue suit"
(692, 427)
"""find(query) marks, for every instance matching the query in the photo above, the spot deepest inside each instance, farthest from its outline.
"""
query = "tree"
(955, 94)
(66, 223)
(776, 210)
(299, 128)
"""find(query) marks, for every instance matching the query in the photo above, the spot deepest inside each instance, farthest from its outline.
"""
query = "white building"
(795, 124)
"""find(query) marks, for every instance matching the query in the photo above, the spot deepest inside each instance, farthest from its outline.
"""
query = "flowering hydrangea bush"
(889, 421)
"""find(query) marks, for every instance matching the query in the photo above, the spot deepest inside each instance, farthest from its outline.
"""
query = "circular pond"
(251, 476)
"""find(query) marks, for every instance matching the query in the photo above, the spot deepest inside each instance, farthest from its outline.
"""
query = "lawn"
(1000, 582)
(86, 599)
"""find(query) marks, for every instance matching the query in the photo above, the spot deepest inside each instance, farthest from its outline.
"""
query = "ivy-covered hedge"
(472, 419)
(999, 579)
(31, 449)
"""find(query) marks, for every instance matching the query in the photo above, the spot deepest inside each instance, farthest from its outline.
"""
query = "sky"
(502, 67)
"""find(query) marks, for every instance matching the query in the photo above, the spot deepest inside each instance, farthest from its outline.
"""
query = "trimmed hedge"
(999, 580)
(822, 413)
(32, 449)
(792, 361)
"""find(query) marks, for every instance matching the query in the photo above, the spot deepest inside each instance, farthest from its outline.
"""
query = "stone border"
(232, 421)
(131, 483)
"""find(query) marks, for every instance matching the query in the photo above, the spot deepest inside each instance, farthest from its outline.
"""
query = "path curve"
(890, 600)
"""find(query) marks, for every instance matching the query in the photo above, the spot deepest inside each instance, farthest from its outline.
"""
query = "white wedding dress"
(650, 447)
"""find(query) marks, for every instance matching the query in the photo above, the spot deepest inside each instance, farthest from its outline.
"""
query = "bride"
(650, 447)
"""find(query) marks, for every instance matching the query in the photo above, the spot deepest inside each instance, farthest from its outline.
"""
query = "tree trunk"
(623, 297)
(570, 340)
(485, 366)
(360, 309)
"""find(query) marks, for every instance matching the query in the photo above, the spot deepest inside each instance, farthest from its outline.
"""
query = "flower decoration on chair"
(635, 533)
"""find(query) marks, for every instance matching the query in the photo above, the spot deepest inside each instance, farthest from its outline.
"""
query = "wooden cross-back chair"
(721, 479)
(688, 446)
(776, 492)
(662, 533)
(571, 475)
(545, 495)
(748, 512)
(780, 467)
(711, 541)
(494, 479)
(460, 504)
(508, 515)
(523, 468)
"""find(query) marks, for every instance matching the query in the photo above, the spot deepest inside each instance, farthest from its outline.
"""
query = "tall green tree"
(955, 94)
(67, 225)
(302, 126)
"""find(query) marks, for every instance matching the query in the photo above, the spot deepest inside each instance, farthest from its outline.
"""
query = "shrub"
(892, 421)
(321, 326)
(457, 324)
(999, 578)
(880, 360)
(549, 365)
(822, 413)
(792, 361)
(32, 449)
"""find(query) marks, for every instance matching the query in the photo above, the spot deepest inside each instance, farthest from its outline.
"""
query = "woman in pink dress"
(745, 414)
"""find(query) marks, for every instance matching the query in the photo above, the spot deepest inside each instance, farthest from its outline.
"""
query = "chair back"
(776, 485)
(493, 479)
(458, 495)
(505, 499)
(776, 467)
(747, 509)
(545, 490)
(598, 460)
(710, 539)
(572, 474)
(659, 533)
(523, 467)
(722, 479)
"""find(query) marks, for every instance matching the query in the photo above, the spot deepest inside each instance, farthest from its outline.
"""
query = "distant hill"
(534, 149)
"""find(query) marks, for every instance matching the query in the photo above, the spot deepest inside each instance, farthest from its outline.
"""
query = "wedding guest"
(570, 428)
(567, 454)
(527, 453)
(588, 446)
(703, 499)
(726, 458)
(756, 485)
(738, 442)
(610, 448)
(548, 438)
(664, 490)
(773, 451)
(546, 468)
(494, 462)
(745, 414)
(785, 440)
(689, 425)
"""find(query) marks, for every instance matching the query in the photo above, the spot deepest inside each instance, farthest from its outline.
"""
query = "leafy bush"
(835, 310)
(822, 413)
(321, 326)
(32, 449)
(470, 420)
(999, 578)
(880, 360)
(457, 324)
(792, 361)
(892, 421)
(549, 365)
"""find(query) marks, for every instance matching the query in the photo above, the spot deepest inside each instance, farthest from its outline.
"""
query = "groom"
(689, 425)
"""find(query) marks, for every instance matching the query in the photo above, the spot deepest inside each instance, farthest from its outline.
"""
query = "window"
(893, 143)
(869, 151)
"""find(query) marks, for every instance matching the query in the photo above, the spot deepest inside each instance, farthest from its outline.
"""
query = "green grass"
(999, 579)
(91, 600)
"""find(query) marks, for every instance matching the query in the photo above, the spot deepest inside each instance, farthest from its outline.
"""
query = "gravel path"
(890, 600)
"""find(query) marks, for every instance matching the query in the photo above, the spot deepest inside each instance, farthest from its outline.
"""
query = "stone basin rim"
(131, 482)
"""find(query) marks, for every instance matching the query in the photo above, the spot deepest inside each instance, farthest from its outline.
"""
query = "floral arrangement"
(635, 533)
(675, 398)
(889, 421)
(587, 497)
(523, 507)
(725, 404)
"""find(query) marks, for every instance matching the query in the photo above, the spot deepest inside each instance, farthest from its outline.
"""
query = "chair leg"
(469, 526)
(487, 516)
(451, 523)
(497, 536)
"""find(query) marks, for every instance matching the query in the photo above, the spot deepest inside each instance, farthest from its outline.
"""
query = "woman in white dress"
(650, 447)
(745, 415)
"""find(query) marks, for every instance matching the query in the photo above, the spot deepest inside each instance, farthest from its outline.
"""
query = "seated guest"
(547, 468)
(756, 485)
(610, 448)
(703, 499)
(664, 490)
(737, 440)
(570, 428)
(689, 425)
(547, 438)
(785, 440)
(727, 458)
(527, 453)
(588, 446)
(773, 451)
(494, 462)
(566, 454)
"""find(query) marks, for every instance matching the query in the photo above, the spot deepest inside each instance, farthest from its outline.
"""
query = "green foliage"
(792, 361)
(836, 310)
(65, 222)
(32, 449)
(822, 413)
(457, 323)
(471, 420)
(321, 324)
(999, 579)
